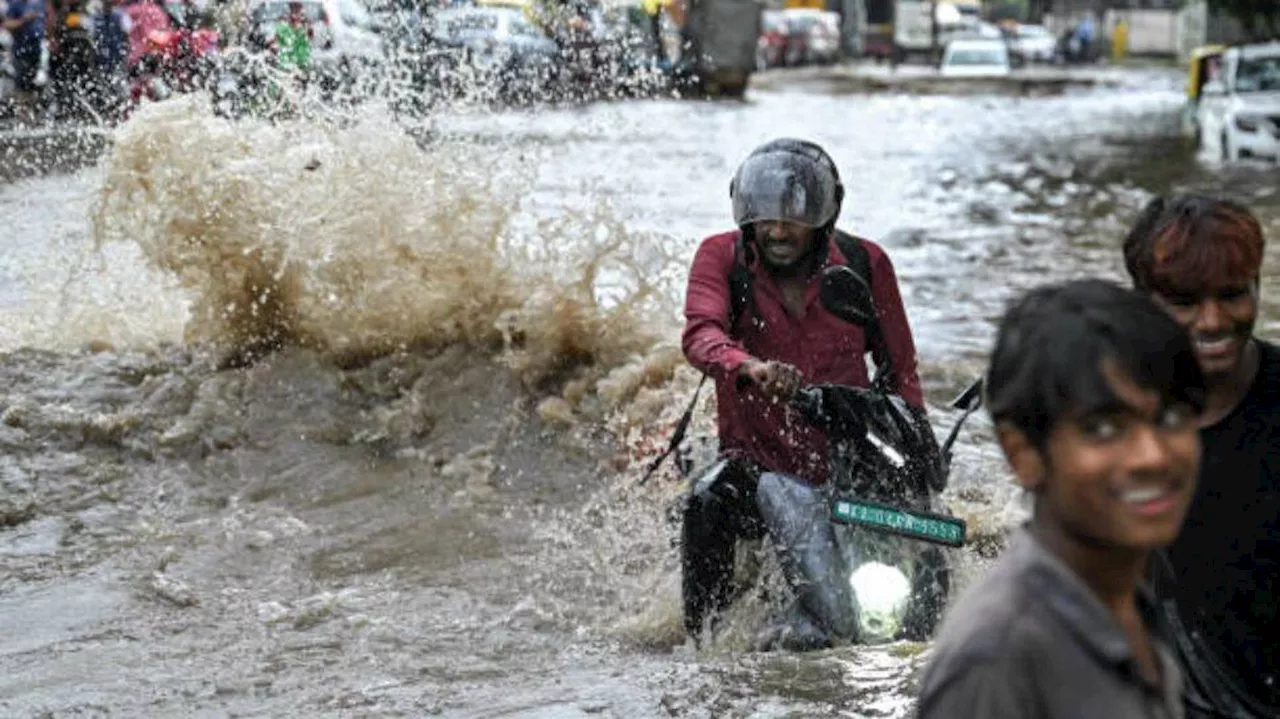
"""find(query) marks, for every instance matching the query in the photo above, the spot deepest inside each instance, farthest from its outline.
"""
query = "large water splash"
(357, 240)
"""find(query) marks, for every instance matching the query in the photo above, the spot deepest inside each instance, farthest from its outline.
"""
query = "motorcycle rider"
(293, 41)
(74, 74)
(111, 27)
(1200, 258)
(760, 348)
(576, 27)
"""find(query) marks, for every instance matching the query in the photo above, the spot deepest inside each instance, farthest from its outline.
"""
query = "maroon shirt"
(823, 347)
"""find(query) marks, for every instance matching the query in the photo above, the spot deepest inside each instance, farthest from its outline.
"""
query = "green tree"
(1261, 18)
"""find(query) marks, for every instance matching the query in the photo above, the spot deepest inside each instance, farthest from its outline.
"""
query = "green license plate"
(926, 526)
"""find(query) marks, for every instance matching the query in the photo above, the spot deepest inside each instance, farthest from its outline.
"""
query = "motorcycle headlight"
(883, 593)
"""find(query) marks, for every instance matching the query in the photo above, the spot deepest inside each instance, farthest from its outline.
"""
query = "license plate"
(925, 526)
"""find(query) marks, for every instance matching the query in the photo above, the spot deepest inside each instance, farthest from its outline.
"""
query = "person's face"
(1220, 321)
(1121, 477)
(783, 245)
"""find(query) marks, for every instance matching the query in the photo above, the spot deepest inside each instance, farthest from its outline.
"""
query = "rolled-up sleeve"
(706, 341)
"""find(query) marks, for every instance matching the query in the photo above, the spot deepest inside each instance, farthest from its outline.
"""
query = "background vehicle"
(503, 45)
(170, 50)
(1203, 65)
(1032, 43)
(975, 58)
(913, 26)
(347, 47)
(424, 71)
(774, 39)
(721, 40)
(813, 36)
(1239, 111)
(636, 58)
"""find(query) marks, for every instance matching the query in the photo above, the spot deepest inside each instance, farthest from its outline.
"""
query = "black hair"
(1052, 344)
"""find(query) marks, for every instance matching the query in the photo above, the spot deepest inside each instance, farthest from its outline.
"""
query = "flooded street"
(425, 503)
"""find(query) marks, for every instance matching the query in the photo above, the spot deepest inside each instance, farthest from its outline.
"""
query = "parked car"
(1032, 43)
(503, 45)
(423, 72)
(975, 58)
(1239, 110)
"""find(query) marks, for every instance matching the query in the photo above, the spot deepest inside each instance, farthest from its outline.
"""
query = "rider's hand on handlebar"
(775, 379)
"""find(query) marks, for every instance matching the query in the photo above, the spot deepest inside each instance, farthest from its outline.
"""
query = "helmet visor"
(782, 186)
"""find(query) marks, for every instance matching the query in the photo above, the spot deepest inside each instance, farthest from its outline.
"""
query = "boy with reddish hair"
(1200, 259)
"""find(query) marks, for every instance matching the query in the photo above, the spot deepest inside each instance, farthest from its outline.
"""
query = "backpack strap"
(858, 259)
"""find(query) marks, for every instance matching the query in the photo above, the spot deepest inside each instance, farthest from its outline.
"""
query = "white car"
(1033, 43)
(1239, 110)
(975, 58)
(346, 37)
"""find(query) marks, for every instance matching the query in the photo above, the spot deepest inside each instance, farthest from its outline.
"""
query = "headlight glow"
(883, 593)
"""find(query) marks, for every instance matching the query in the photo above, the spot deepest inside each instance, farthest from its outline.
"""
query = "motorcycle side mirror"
(968, 402)
(970, 399)
(846, 295)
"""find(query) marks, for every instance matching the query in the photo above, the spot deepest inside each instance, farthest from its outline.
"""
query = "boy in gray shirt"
(1095, 393)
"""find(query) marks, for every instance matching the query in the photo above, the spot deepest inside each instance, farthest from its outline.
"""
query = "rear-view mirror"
(846, 295)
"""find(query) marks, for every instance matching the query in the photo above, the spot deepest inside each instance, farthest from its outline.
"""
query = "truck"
(720, 39)
(913, 26)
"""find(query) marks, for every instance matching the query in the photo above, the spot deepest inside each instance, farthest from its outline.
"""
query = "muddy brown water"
(424, 504)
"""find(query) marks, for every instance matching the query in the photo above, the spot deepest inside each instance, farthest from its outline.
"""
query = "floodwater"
(345, 420)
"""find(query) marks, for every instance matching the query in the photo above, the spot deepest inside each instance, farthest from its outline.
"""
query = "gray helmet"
(788, 180)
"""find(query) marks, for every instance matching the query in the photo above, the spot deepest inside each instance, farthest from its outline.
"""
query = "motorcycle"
(179, 58)
(864, 552)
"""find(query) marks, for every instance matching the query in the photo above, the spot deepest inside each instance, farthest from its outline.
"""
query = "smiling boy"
(1095, 394)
